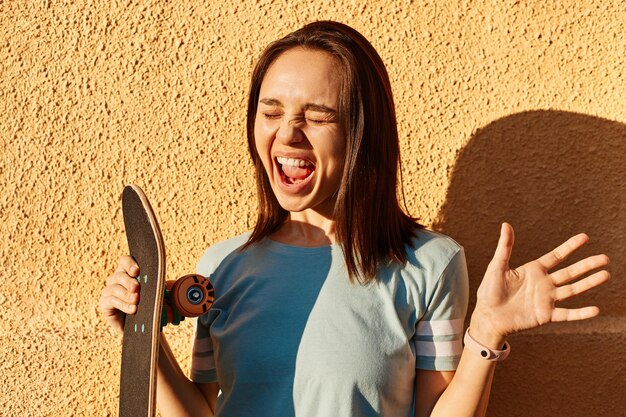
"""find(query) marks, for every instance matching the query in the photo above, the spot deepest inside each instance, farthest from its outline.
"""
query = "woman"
(338, 303)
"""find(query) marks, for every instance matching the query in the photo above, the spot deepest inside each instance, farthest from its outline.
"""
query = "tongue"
(296, 173)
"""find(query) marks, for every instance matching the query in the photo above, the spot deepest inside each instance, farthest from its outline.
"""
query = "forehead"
(303, 74)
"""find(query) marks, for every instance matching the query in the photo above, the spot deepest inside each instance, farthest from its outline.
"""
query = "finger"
(127, 264)
(556, 256)
(567, 291)
(116, 297)
(505, 246)
(571, 314)
(124, 280)
(579, 269)
(121, 293)
(109, 305)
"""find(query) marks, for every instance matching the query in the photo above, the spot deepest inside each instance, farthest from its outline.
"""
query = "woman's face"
(297, 131)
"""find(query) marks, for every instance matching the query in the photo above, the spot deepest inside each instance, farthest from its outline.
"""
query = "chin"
(293, 206)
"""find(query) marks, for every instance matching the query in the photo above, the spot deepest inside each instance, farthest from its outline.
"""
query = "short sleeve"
(202, 360)
(203, 367)
(438, 335)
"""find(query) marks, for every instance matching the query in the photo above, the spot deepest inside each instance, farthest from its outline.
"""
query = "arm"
(429, 385)
(510, 301)
(176, 394)
(446, 392)
(466, 391)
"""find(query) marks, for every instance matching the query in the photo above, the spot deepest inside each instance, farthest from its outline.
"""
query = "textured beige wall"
(508, 110)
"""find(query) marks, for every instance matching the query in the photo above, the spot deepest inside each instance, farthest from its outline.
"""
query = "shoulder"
(217, 252)
(432, 250)
(434, 261)
(437, 264)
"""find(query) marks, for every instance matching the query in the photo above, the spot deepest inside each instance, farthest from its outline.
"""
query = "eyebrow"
(308, 106)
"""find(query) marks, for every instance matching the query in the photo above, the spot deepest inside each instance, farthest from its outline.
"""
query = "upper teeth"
(292, 162)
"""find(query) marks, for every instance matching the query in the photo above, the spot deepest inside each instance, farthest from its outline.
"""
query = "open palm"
(517, 299)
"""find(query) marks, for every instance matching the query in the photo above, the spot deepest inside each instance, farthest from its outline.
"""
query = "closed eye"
(317, 121)
(321, 119)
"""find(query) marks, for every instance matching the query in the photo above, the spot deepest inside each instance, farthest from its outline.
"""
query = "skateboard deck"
(189, 296)
(141, 330)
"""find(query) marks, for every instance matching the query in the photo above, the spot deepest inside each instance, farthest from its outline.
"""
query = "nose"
(288, 132)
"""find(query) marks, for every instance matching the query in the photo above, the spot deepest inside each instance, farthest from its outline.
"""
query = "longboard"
(189, 296)
(141, 330)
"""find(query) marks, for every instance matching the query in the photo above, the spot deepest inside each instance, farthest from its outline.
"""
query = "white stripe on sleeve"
(439, 327)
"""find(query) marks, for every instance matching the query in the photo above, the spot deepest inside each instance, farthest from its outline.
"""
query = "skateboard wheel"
(192, 295)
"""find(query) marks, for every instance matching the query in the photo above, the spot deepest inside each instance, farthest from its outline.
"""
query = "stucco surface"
(508, 110)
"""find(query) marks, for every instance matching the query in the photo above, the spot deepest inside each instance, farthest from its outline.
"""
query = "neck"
(307, 228)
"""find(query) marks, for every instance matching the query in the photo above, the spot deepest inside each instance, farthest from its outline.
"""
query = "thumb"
(505, 246)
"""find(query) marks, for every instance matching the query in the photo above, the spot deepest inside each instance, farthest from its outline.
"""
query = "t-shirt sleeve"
(202, 359)
(203, 368)
(438, 335)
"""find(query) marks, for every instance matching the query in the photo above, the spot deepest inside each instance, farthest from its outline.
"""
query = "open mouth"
(294, 171)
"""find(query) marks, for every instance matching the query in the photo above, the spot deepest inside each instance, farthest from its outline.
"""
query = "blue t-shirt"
(290, 335)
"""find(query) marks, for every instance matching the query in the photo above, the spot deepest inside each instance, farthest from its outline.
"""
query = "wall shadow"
(550, 174)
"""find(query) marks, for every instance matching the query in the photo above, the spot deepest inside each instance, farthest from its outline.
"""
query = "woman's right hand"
(121, 293)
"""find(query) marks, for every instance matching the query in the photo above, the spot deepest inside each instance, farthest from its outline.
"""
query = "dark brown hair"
(371, 227)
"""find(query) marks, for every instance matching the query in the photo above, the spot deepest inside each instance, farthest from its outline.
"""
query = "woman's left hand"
(512, 300)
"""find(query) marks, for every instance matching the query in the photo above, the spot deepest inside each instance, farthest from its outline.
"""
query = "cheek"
(339, 152)
(336, 163)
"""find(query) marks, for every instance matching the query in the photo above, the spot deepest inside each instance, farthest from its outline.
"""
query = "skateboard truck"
(188, 296)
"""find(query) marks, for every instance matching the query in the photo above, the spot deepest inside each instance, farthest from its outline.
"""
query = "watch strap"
(484, 352)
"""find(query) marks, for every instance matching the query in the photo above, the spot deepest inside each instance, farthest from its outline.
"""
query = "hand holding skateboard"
(188, 296)
(120, 295)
